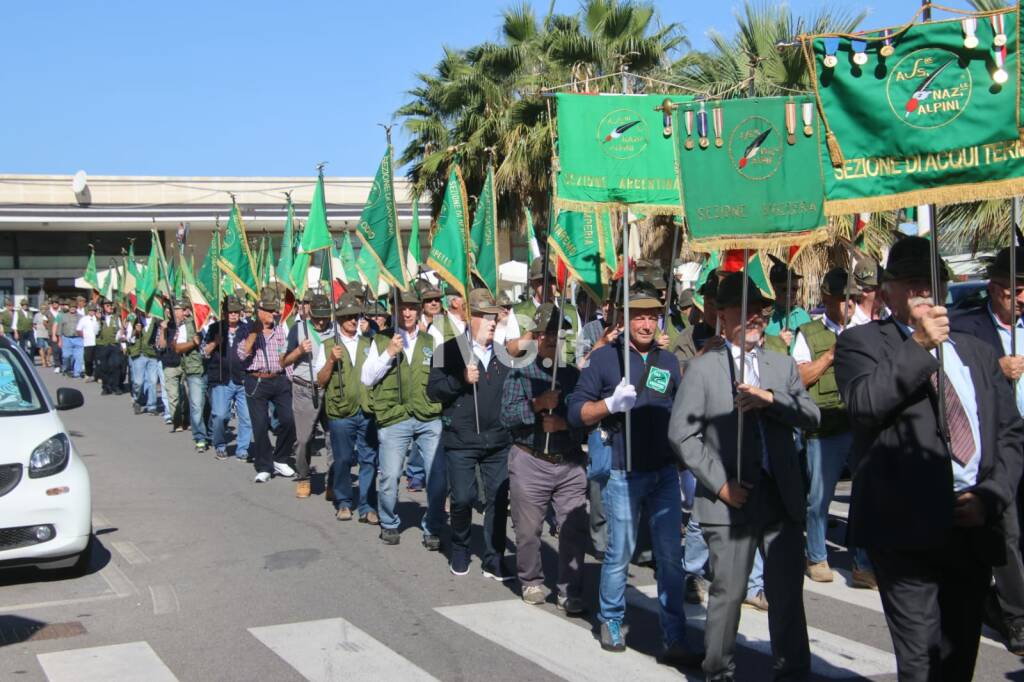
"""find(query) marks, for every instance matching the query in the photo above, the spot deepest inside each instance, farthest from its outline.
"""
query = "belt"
(264, 375)
(300, 381)
(551, 457)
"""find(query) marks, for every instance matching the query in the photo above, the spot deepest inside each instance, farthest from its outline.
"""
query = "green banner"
(576, 239)
(283, 269)
(483, 235)
(449, 250)
(348, 259)
(378, 227)
(613, 152)
(922, 90)
(235, 256)
(757, 180)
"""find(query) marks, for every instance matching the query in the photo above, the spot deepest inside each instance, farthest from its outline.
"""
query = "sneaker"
(758, 601)
(819, 571)
(261, 477)
(221, 455)
(496, 571)
(344, 514)
(612, 636)
(696, 589)
(390, 536)
(864, 579)
(241, 458)
(414, 485)
(56, 370)
(1015, 638)
(459, 564)
(573, 606)
(137, 408)
(282, 469)
(167, 420)
(432, 543)
(302, 489)
(371, 518)
(680, 655)
(201, 446)
(534, 595)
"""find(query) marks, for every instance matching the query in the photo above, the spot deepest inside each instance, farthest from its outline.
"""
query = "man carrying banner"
(396, 374)
(926, 506)
(304, 344)
(752, 498)
(602, 396)
(992, 324)
(828, 445)
(188, 346)
(109, 359)
(225, 375)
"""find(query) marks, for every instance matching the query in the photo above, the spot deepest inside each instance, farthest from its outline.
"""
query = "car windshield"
(18, 392)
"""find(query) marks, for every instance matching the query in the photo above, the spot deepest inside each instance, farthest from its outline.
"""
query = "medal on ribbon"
(807, 112)
(999, 75)
(791, 122)
(887, 49)
(831, 46)
(716, 117)
(999, 40)
(859, 49)
(688, 123)
(702, 126)
(970, 25)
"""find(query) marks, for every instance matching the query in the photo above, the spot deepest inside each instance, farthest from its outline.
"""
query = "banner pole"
(936, 282)
(671, 277)
(558, 357)
(625, 331)
(743, 362)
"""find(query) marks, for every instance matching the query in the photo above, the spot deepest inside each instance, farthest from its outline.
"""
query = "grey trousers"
(175, 377)
(732, 550)
(306, 418)
(533, 484)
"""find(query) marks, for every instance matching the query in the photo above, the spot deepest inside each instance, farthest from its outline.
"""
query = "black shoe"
(681, 655)
(432, 542)
(390, 536)
(1015, 638)
(496, 571)
(137, 408)
(105, 391)
(459, 564)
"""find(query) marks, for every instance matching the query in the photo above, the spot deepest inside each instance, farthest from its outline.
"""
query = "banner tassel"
(834, 150)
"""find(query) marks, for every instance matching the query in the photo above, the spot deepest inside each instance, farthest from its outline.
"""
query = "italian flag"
(200, 306)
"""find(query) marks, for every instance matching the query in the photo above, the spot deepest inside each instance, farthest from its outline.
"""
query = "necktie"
(961, 440)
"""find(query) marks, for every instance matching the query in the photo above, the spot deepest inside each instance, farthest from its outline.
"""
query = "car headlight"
(50, 457)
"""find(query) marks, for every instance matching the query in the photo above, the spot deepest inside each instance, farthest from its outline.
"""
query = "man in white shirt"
(88, 327)
(451, 324)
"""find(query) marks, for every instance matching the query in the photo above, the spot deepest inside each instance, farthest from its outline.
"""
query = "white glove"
(623, 398)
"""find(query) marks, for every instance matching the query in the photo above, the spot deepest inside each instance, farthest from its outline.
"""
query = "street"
(198, 574)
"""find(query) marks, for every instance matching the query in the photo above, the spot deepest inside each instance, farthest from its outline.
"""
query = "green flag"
(285, 262)
(150, 282)
(449, 251)
(531, 237)
(133, 267)
(209, 273)
(609, 252)
(378, 226)
(412, 261)
(298, 275)
(105, 288)
(369, 268)
(316, 236)
(89, 275)
(762, 188)
(348, 259)
(576, 239)
(713, 261)
(612, 152)
(235, 256)
(268, 262)
(483, 235)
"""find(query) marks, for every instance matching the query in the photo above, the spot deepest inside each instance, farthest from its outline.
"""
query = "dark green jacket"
(414, 403)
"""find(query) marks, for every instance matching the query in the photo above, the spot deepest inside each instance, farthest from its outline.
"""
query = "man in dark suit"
(993, 323)
(925, 504)
(764, 503)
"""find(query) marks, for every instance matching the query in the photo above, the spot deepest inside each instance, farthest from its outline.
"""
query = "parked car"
(45, 498)
(966, 295)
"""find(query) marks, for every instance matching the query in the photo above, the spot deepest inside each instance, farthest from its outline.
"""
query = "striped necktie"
(961, 439)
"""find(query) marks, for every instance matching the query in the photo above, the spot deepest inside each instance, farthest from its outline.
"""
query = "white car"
(45, 499)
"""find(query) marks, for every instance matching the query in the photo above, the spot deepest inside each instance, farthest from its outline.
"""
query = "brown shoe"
(302, 489)
(370, 518)
(819, 572)
(329, 494)
(758, 601)
(864, 579)
(344, 514)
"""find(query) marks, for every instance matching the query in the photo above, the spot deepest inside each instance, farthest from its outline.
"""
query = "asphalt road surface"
(199, 574)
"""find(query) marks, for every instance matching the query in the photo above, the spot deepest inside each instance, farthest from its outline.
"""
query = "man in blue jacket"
(650, 478)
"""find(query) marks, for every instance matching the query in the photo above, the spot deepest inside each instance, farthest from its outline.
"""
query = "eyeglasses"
(431, 300)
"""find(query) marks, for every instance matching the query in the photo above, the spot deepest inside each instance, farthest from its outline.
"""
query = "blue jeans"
(163, 394)
(350, 443)
(755, 581)
(826, 458)
(73, 355)
(152, 374)
(414, 465)
(623, 497)
(221, 398)
(197, 406)
(395, 441)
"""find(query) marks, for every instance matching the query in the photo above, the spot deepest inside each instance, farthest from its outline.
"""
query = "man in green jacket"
(396, 373)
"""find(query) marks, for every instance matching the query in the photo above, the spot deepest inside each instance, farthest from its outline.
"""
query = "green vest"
(825, 392)
(345, 394)
(192, 361)
(776, 344)
(447, 328)
(674, 331)
(24, 322)
(5, 321)
(527, 309)
(108, 332)
(387, 406)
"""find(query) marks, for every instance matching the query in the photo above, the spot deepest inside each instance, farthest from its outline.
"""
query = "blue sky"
(221, 87)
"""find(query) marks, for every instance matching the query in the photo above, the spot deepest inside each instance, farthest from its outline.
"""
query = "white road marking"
(131, 552)
(554, 643)
(135, 661)
(334, 649)
(832, 655)
(165, 599)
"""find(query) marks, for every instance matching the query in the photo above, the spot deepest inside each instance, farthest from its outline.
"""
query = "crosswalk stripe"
(554, 643)
(334, 649)
(131, 662)
(832, 655)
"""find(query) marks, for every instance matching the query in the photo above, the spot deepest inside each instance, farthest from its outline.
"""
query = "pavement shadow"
(17, 629)
(99, 556)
